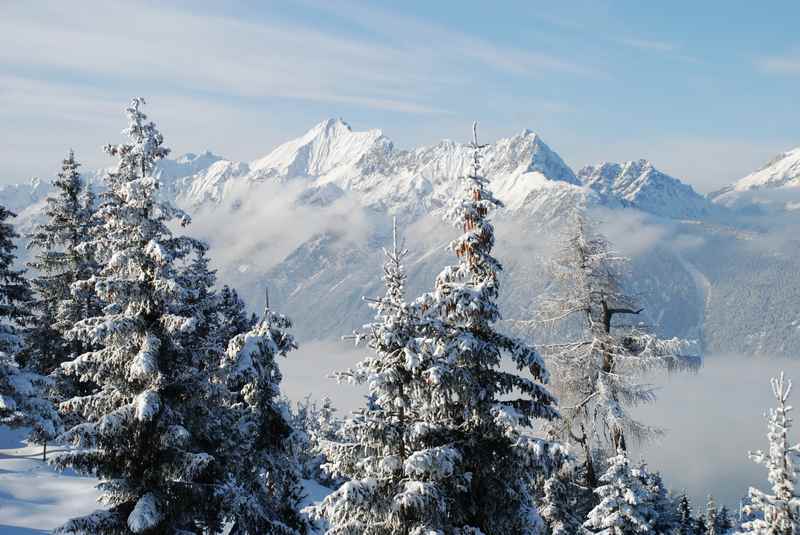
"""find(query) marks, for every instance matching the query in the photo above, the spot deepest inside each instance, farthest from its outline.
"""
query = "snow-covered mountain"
(777, 183)
(646, 188)
(332, 157)
(17, 197)
(310, 217)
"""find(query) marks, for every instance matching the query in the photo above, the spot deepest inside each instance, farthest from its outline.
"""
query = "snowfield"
(34, 498)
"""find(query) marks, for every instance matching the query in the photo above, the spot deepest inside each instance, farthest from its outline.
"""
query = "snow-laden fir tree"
(684, 518)
(625, 506)
(711, 518)
(394, 479)
(61, 259)
(664, 519)
(22, 403)
(15, 291)
(233, 318)
(201, 302)
(597, 375)
(559, 507)
(777, 513)
(263, 492)
(724, 521)
(141, 436)
(314, 424)
(481, 460)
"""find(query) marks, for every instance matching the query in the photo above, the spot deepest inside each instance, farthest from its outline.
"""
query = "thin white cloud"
(645, 44)
(667, 49)
(188, 52)
(780, 65)
(71, 67)
(452, 45)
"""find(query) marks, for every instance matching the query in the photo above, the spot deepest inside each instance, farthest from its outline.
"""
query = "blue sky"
(707, 90)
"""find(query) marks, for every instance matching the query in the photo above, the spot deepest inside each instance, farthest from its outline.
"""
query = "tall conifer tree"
(392, 475)
(477, 413)
(262, 492)
(21, 400)
(141, 437)
(63, 257)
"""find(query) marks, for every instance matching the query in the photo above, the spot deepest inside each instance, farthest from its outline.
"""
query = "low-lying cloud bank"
(712, 419)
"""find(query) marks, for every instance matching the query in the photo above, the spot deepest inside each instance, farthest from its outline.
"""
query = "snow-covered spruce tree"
(63, 257)
(684, 521)
(712, 519)
(60, 260)
(597, 375)
(141, 437)
(481, 462)
(313, 424)
(625, 504)
(201, 302)
(21, 391)
(15, 291)
(233, 313)
(22, 402)
(263, 491)
(777, 513)
(664, 519)
(559, 505)
(724, 521)
(394, 478)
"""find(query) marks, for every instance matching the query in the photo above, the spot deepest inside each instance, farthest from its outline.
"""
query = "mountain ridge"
(675, 236)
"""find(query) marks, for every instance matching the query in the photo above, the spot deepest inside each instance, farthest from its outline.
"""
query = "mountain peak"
(328, 145)
(639, 183)
(528, 149)
(782, 171)
(331, 125)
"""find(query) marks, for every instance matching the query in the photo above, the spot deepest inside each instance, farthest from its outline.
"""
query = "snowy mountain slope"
(17, 197)
(645, 187)
(330, 148)
(407, 182)
(775, 183)
(320, 285)
(328, 196)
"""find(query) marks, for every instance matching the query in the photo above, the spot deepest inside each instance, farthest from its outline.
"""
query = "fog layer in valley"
(712, 419)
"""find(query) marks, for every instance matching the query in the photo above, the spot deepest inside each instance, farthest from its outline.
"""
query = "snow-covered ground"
(33, 497)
